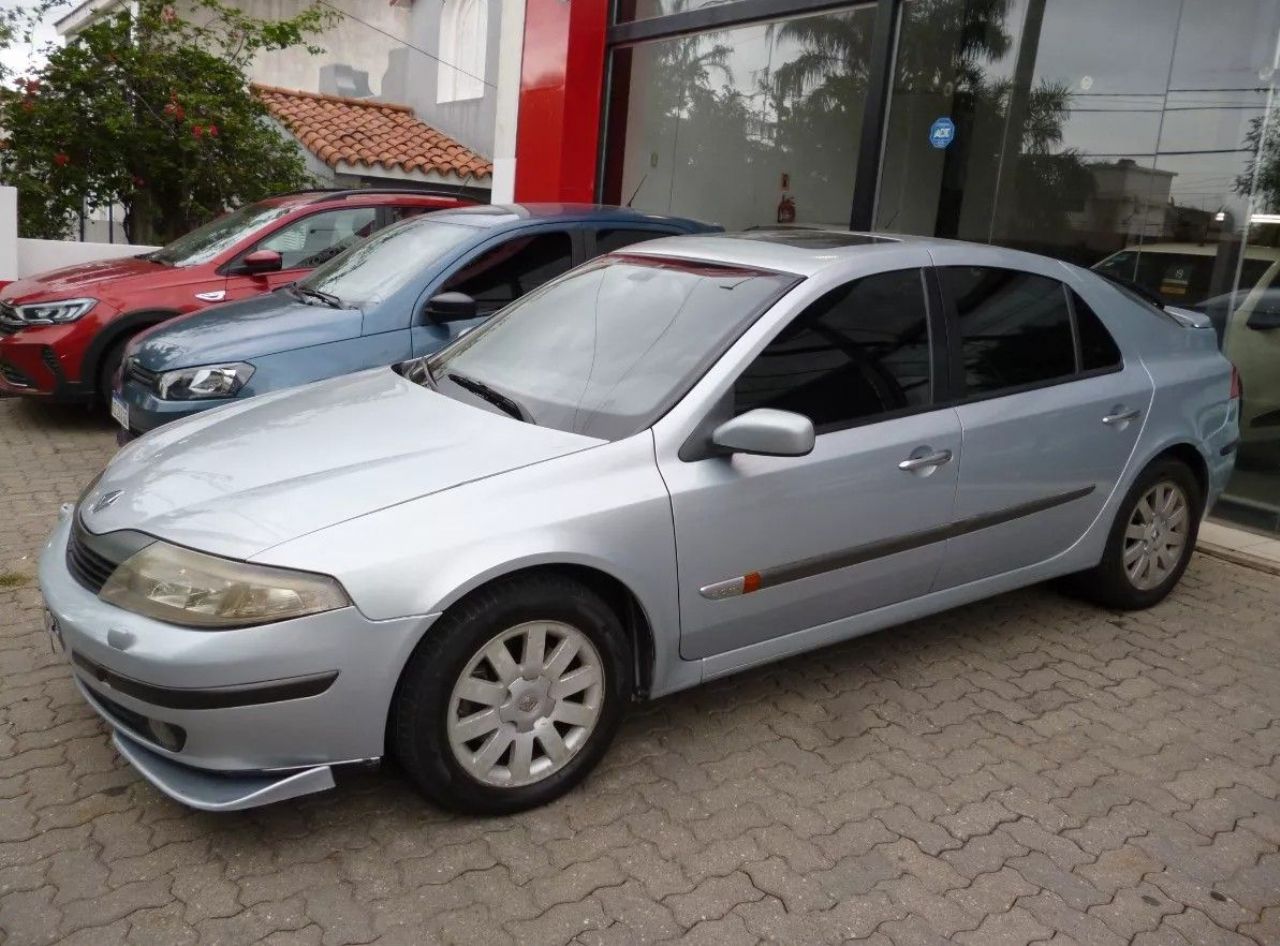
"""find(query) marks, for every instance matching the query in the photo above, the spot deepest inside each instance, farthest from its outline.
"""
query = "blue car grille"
(148, 379)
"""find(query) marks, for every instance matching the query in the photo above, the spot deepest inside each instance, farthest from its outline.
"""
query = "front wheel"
(514, 696)
(1151, 540)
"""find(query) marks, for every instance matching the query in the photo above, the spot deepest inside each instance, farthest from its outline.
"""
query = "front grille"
(91, 569)
(148, 379)
(14, 376)
(9, 321)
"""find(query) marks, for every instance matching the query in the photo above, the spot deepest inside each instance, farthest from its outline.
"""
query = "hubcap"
(1156, 535)
(526, 703)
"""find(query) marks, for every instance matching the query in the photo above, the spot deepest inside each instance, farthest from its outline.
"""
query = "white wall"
(8, 234)
(37, 256)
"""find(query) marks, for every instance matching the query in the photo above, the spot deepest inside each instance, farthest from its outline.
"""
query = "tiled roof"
(370, 133)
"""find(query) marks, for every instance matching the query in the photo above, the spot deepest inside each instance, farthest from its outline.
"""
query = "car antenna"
(638, 186)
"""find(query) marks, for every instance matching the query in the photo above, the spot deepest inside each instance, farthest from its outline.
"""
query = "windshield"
(607, 349)
(370, 272)
(1182, 279)
(217, 236)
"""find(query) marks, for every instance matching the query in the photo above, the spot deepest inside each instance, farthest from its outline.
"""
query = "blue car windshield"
(608, 348)
(373, 270)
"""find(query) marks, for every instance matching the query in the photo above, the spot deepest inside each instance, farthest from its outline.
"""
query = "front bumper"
(247, 736)
(147, 410)
(31, 366)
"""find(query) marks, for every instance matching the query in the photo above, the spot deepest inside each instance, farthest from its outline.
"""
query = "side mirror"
(260, 262)
(1266, 317)
(766, 432)
(450, 307)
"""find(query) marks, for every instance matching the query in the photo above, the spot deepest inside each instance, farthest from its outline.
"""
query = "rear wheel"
(514, 696)
(1151, 540)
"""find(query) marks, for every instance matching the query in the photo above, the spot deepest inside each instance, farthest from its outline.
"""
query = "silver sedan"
(676, 462)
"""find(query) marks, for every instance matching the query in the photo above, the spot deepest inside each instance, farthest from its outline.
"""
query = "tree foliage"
(149, 109)
(1261, 176)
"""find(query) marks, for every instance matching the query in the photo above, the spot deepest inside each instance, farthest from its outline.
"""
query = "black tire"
(1108, 583)
(420, 714)
(107, 369)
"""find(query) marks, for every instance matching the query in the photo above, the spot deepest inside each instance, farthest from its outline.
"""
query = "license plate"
(120, 411)
(55, 631)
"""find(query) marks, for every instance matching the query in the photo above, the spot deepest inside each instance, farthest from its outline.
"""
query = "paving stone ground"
(1027, 769)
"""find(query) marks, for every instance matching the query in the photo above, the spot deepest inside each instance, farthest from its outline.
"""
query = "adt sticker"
(942, 132)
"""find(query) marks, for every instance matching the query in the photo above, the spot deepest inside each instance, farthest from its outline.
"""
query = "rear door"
(1051, 412)
(497, 274)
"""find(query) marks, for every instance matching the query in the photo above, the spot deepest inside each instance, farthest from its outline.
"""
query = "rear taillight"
(1237, 389)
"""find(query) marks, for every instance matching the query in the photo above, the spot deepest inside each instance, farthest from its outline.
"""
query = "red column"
(561, 83)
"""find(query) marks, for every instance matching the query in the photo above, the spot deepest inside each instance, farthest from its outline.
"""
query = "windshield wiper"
(327, 298)
(496, 398)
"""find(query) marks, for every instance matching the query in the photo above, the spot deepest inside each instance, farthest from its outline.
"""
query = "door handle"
(911, 464)
(1120, 416)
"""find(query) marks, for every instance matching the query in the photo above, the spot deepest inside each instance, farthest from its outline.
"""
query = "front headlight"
(192, 384)
(181, 586)
(51, 313)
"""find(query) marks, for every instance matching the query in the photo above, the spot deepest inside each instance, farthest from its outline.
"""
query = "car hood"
(240, 479)
(83, 279)
(241, 331)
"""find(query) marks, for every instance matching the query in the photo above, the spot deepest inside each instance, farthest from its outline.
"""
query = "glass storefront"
(1142, 137)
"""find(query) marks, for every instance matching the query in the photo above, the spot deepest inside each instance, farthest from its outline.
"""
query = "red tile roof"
(370, 133)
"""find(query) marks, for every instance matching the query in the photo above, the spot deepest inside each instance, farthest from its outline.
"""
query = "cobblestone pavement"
(1023, 770)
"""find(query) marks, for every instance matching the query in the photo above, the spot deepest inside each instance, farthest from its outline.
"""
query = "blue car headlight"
(205, 381)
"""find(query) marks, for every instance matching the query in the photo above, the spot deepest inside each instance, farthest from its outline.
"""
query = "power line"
(404, 42)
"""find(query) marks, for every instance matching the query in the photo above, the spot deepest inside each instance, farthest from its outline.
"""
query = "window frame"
(938, 352)
(958, 394)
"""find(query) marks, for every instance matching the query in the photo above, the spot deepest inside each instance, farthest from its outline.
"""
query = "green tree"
(150, 110)
(1261, 176)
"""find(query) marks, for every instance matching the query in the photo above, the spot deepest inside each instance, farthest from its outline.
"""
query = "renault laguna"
(675, 462)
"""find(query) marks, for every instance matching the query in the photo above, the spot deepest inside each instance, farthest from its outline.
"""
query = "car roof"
(366, 196)
(802, 251)
(486, 216)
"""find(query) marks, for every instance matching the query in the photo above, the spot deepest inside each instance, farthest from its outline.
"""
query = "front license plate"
(120, 411)
(55, 632)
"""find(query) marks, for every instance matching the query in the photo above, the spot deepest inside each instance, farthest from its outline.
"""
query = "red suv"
(62, 332)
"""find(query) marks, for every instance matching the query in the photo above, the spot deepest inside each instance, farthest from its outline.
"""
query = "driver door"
(848, 528)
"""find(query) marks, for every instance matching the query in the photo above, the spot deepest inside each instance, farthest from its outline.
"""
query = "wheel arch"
(621, 598)
(1188, 454)
(116, 331)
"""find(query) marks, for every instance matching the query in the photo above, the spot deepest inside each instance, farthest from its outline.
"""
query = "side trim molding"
(844, 558)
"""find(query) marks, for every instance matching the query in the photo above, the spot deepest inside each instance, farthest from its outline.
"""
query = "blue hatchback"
(406, 291)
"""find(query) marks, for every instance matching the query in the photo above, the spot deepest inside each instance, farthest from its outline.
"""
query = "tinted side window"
(860, 351)
(1097, 348)
(1015, 328)
(609, 240)
(506, 272)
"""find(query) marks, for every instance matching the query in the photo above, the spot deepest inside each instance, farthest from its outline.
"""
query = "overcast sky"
(19, 56)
